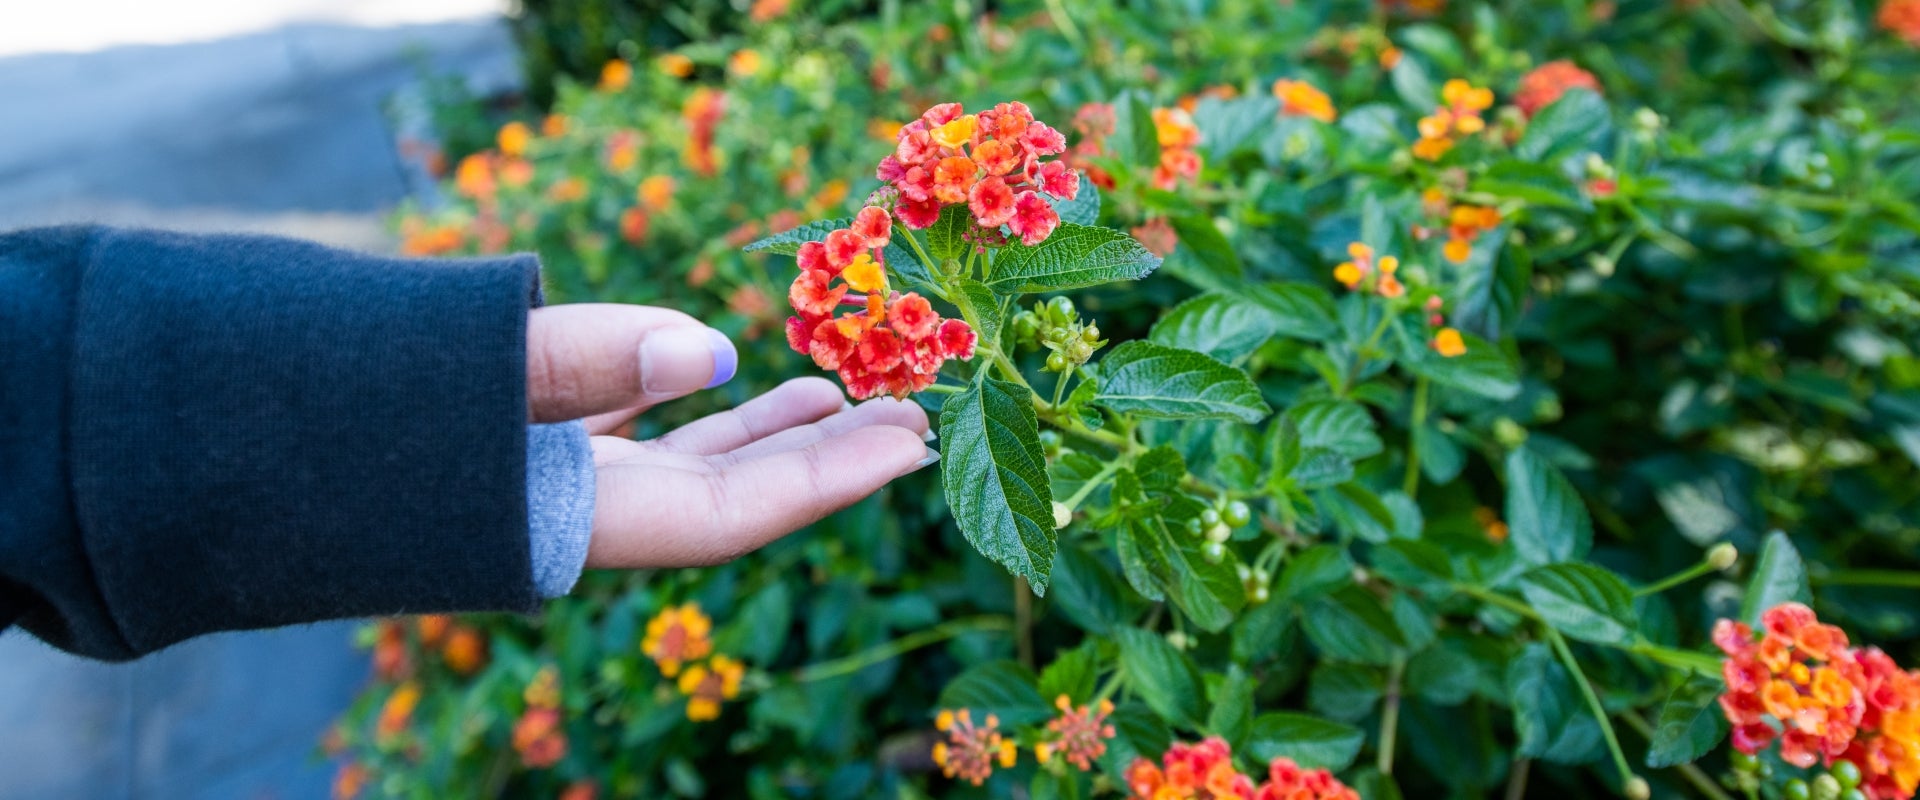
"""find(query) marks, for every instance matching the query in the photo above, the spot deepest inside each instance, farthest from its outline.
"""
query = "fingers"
(884, 411)
(795, 402)
(594, 358)
(647, 516)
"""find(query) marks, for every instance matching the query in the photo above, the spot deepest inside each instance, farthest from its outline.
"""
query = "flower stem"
(1868, 577)
(1390, 714)
(893, 649)
(1675, 579)
(1560, 648)
(1693, 775)
(1411, 485)
(1086, 489)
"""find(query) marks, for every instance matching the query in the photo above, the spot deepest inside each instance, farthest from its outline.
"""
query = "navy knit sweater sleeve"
(204, 433)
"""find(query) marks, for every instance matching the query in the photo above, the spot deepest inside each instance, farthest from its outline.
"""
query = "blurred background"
(261, 115)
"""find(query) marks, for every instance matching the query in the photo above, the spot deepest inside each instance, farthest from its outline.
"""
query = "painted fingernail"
(675, 361)
(929, 436)
(932, 457)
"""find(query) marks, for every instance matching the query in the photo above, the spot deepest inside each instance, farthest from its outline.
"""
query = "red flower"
(1033, 219)
(957, 339)
(810, 293)
(991, 202)
(873, 223)
(1547, 82)
(913, 316)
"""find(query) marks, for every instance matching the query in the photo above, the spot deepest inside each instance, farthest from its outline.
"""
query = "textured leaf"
(1231, 716)
(789, 242)
(1578, 117)
(1546, 521)
(1224, 326)
(1303, 310)
(1341, 427)
(1410, 81)
(1549, 715)
(1205, 258)
(1087, 592)
(1483, 369)
(1002, 688)
(1779, 576)
(944, 235)
(1084, 208)
(1538, 184)
(986, 306)
(1691, 724)
(1311, 741)
(996, 478)
(1072, 673)
(1074, 256)
(1344, 692)
(1227, 125)
(1582, 601)
(1350, 625)
(1313, 572)
(1154, 380)
(1165, 677)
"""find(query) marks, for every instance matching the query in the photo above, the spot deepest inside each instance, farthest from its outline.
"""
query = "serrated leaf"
(996, 479)
(1350, 625)
(1779, 576)
(1483, 369)
(1231, 716)
(1072, 673)
(1164, 677)
(1073, 257)
(1001, 688)
(1547, 522)
(1205, 258)
(1538, 184)
(1691, 724)
(1160, 468)
(1084, 208)
(1154, 380)
(788, 243)
(1313, 572)
(1576, 119)
(1087, 592)
(1344, 692)
(1302, 310)
(1310, 741)
(1221, 325)
(1341, 427)
(1226, 125)
(1582, 601)
(1548, 713)
(986, 307)
(945, 237)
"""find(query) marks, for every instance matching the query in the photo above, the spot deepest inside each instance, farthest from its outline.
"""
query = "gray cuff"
(560, 484)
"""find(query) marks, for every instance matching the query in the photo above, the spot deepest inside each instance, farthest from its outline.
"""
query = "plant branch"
(1572, 664)
(1390, 714)
(1693, 775)
(1411, 484)
(881, 652)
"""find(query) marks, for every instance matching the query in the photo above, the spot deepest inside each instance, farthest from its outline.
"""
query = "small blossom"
(1491, 524)
(633, 225)
(544, 690)
(1547, 82)
(1464, 224)
(675, 65)
(1459, 115)
(1033, 219)
(350, 780)
(708, 685)
(581, 790)
(971, 751)
(539, 738)
(1078, 734)
(1900, 18)
(615, 75)
(1302, 99)
(513, 138)
(744, 62)
(679, 634)
(1448, 343)
(656, 192)
(465, 651)
(397, 712)
(474, 177)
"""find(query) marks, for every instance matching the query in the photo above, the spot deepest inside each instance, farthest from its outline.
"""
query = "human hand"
(721, 486)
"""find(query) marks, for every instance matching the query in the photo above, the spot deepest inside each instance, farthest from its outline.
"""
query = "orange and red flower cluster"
(991, 161)
(707, 685)
(1799, 682)
(1901, 18)
(1205, 771)
(970, 750)
(1178, 137)
(539, 735)
(1354, 274)
(1094, 122)
(1079, 734)
(897, 344)
(1459, 115)
(679, 640)
(1547, 82)
(702, 113)
(1302, 99)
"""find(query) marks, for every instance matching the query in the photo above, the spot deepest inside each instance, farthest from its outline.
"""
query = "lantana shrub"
(1335, 399)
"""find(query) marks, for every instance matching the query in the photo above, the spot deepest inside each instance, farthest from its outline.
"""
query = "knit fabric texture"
(560, 491)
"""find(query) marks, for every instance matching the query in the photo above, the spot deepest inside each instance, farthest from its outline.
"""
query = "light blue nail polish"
(932, 457)
(726, 360)
(929, 436)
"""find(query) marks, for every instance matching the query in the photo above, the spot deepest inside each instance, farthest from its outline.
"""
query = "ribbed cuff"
(560, 485)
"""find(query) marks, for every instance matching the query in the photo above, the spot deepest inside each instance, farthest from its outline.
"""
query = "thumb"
(593, 358)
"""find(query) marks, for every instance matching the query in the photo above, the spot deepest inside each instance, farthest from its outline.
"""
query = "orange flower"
(390, 659)
(675, 65)
(350, 780)
(1458, 115)
(1158, 236)
(432, 240)
(1390, 57)
(397, 712)
(1901, 18)
(581, 790)
(474, 177)
(1177, 135)
(615, 75)
(1464, 224)
(707, 685)
(633, 225)
(1448, 343)
(567, 190)
(1490, 522)
(677, 635)
(539, 738)
(1352, 274)
(885, 130)
(970, 751)
(433, 628)
(744, 63)
(1547, 82)
(1301, 99)
(555, 125)
(465, 651)
(513, 138)
(768, 10)
(1078, 735)
(656, 192)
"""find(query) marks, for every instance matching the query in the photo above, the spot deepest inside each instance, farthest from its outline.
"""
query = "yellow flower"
(1431, 149)
(513, 138)
(1448, 343)
(708, 685)
(865, 275)
(744, 63)
(1458, 250)
(676, 65)
(1465, 96)
(544, 690)
(1348, 274)
(615, 75)
(955, 133)
(677, 635)
(885, 130)
(1301, 99)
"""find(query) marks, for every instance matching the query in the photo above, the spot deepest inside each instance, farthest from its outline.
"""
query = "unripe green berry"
(1260, 594)
(1061, 310)
(1056, 362)
(1797, 790)
(1826, 787)
(1219, 533)
(1237, 514)
(1179, 640)
(1722, 555)
(1194, 527)
(1847, 773)
(1245, 572)
(1091, 334)
(1210, 517)
(1214, 551)
(1743, 762)
(1636, 789)
(1056, 335)
(1854, 794)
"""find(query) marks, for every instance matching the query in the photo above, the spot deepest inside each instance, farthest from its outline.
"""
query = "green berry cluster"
(1216, 525)
(1839, 782)
(1056, 325)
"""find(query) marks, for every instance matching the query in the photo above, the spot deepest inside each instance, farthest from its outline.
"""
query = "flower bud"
(1636, 789)
(1210, 517)
(1061, 515)
(1796, 789)
(1847, 773)
(1237, 514)
(1056, 362)
(1722, 556)
(1260, 594)
(1179, 640)
(1508, 432)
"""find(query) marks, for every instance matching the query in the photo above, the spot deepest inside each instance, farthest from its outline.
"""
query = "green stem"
(1023, 620)
(1390, 714)
(1696, 663)
(1901, 579)
(1086, 489)
(1693, 775)
(1593, 702)
(1411, 485)
(1060, 387)
(1675, 579)
(893, 649)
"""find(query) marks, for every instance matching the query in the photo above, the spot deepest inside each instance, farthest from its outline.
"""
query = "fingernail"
(929, 436)
(932, 457)
(679, 360)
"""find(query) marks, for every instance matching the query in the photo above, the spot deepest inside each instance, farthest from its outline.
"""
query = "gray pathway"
(280, 132)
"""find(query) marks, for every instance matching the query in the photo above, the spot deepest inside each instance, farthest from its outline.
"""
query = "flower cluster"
(702, 113)
(1094, 122)
(970, 751)
(397, 712)
(1078, 735)
(462, 647)
(1205, 771)
(538, 735)
(1178, 136)
(676, 636)
(1458, 115)
(1465, 223)
(1547, 82)
(1302, 99)
(991, 161)
(1901, 18)
(615, 75)
(897, 344)
(707, 685)
(1800, 682)
(1355, 274)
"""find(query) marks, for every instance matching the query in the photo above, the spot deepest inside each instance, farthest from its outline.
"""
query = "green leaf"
(996, 477)
(1351, 625)
(1163, 676)
(1154, 380)
(1538, 184)
(1341, 427)
(1072, 673)
(1205, 257)
(1001, 688)
(1314, 571)
(1084, 208)
(1224, 326)
(1311, 741)
(1232, 714)
(1547, 523)
(1303, 310)
(1414, 564)
(761, 625)
(1135, 136)
(1073, 257)
(1690, 725)
(1087, 592)
(1779, 576)
(1137, 733)
(1344, 692)
(986, 307)
(1160, 468)
(1227, 125)
(1548, 714)
(1578, 117)
(1410, 81)
(1483, 369)
(788, 243)
(1582, 601)
(945, 236)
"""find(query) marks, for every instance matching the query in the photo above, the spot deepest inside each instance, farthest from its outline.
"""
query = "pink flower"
(1058, 180)
(957, 339)
(991, 202)
(1033, 219)
(912, 316)
(873, 223)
